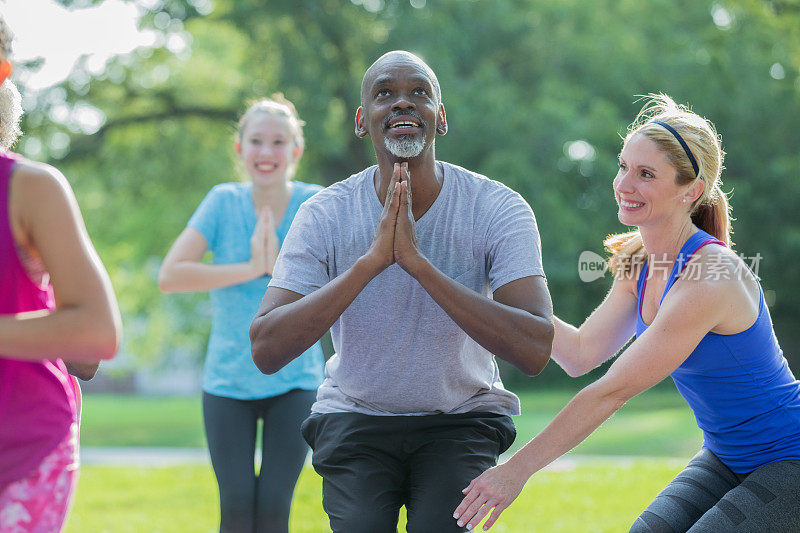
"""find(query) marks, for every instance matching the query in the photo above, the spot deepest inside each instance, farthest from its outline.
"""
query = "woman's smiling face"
(645, 186)
(268, 149)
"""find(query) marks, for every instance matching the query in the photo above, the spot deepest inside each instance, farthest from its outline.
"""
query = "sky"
(43, 28)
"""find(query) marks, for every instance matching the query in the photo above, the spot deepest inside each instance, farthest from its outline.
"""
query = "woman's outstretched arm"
(687, 314)
(602, 334)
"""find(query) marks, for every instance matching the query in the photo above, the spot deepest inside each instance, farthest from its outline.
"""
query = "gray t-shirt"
(397, 351)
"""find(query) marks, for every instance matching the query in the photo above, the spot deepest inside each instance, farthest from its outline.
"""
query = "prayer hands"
(264, 244)
(395, 238)
(382, 249)
(406, 247)
(494, 490)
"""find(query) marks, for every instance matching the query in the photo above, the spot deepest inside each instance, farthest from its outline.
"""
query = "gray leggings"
(250, 502)
(707, 497)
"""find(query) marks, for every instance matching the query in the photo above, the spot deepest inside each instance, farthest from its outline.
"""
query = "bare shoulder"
(720, 278)
(40, 178)
(716, 266)
(38, 191)
(718, 283)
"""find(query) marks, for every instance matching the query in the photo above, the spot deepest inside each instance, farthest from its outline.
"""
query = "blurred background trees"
(537, 95)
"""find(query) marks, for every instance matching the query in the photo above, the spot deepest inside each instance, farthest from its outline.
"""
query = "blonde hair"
(276, 105)
(711, 211)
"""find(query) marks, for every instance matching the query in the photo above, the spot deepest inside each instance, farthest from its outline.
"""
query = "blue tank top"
(743, 394)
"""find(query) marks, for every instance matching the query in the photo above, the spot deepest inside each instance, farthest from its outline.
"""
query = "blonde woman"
(699, 316)
(243, 224)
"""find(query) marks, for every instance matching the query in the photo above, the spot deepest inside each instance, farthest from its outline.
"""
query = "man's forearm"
(515, 335)
(283, 333)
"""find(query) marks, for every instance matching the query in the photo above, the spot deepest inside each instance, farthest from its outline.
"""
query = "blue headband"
(683, 143)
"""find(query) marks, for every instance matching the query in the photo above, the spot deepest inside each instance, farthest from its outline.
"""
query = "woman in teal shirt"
(243, 225)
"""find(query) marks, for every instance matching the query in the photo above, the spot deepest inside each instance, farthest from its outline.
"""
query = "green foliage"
(522, 79)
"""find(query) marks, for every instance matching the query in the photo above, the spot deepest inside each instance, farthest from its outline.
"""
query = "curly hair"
(5, 38)
(10, 114)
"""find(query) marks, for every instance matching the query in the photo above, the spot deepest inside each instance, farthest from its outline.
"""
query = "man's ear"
(361, 130)
(441, 127)
(237, 146)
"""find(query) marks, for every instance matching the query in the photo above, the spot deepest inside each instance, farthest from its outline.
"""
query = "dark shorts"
(373, 465)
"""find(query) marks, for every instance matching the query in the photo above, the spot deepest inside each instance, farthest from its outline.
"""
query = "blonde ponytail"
(712, 214)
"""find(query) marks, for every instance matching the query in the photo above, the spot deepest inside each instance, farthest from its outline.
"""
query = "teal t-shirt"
(226, 218)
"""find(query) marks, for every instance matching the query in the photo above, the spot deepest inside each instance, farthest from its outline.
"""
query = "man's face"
(400, 107)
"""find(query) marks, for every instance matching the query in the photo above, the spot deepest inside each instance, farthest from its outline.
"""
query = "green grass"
(598, 495)
(655, 423)
(595, 496)
(124, 420)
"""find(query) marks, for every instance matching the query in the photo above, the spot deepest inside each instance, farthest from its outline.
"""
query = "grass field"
(598, 495)
(655, 423)
(593, 497)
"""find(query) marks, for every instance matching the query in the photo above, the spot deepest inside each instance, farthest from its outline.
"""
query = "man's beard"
(406, 147)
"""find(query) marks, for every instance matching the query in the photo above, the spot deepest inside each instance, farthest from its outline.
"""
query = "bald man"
(424, 271)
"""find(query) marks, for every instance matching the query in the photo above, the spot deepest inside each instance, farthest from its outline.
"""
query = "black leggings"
(251, 503)
(707, 497)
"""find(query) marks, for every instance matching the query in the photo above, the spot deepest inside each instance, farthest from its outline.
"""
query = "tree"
(537, 94)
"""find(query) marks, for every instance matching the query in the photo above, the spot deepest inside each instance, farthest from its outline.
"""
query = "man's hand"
(381, 251)
(406, 248)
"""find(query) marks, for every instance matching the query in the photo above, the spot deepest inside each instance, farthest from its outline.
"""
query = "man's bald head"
(398, 56)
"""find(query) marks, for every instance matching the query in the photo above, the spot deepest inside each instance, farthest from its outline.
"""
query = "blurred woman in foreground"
(57, 313)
